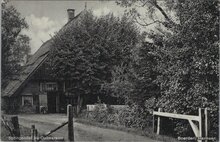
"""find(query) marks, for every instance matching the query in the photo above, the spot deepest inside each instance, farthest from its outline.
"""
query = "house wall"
(39, 98)
(4, 104)
(11, 105)
(31, 90)
(32, 87)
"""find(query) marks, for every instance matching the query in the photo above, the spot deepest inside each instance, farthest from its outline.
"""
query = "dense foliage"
(88, 50)
(185, 54)
(15, 46)
(130, 117)
(189, 66)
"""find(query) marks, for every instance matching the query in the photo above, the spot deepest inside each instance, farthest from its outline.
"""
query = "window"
(49, 86)
(27, 100)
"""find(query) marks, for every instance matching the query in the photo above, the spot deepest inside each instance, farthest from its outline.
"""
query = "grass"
(5, 135)
(24, 132)
(148, 132)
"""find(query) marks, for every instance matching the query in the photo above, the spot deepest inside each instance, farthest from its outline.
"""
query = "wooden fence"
(70, 128)
(91, 107)
(202, 118)
(13, 128)
(12, 125)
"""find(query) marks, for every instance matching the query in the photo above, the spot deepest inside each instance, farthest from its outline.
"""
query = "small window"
(49, 86)
(27, 100)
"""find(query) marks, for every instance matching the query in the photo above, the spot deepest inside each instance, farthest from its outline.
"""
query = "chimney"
(71, 14)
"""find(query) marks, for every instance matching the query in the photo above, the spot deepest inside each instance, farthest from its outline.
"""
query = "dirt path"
(82, 132)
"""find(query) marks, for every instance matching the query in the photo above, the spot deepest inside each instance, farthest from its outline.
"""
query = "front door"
(51, 102)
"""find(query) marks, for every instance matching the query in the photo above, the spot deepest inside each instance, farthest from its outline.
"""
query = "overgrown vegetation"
(176, 71)
(181, 62)
(5, 134)
(129, 119)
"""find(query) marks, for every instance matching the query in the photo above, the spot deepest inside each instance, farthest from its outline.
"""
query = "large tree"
(189, 64)
(186, 48)
(135, 82)
(156, 11)
(15, 46)
(87, 51)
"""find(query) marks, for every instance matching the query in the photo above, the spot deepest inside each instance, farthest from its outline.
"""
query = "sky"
(46, 17)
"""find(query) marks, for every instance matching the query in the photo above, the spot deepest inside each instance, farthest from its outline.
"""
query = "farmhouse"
(35, 88)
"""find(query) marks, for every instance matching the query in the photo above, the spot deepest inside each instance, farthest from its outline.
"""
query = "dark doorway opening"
(63, 103)
(51, 102)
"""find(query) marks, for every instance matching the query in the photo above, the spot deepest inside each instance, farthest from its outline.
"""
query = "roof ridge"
(34, 63)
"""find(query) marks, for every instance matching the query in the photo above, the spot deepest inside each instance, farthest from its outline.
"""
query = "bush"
(131, 117)
(135, 117)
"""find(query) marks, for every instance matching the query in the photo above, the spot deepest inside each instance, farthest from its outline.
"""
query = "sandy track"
(82, 132)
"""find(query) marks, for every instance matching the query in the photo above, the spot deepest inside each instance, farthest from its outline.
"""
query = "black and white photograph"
(110, 70)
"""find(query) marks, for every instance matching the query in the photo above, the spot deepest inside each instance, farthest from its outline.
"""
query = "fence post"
(158, 122)
(206, 123)
(32, 132)
(16, 130)
(70, 123)
(201, 123)
(35, 135)
(153, 124)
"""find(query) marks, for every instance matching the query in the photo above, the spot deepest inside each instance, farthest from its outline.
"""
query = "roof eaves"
(17, 86)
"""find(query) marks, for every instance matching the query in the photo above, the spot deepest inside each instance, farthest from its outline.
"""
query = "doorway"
(51, 102)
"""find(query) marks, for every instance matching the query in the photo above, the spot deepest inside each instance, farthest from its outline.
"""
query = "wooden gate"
(34, 136)
(200, 132)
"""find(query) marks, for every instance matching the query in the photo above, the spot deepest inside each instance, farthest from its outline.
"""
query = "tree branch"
(154, 3)
(147, 24)
(144, 23)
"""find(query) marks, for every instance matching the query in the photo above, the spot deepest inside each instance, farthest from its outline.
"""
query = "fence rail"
(70, 128)
(51, 131)
(202, 118)
(12, 125)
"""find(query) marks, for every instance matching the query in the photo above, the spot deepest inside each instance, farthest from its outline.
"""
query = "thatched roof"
(33, 64)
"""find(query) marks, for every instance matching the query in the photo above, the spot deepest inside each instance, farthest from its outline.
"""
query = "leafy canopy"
(90, 47)
(14, 44)
(185, 42)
